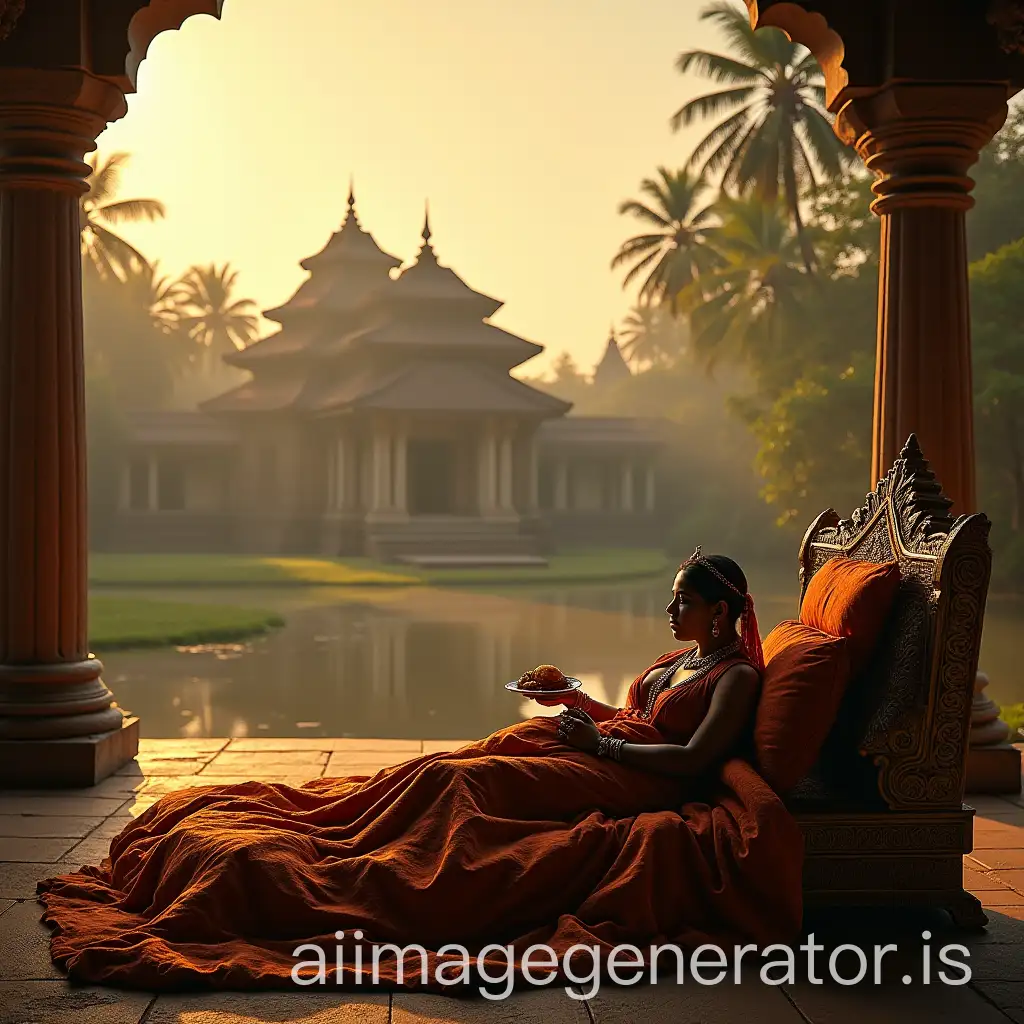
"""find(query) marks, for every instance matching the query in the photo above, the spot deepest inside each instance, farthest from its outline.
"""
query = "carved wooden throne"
(882, 813)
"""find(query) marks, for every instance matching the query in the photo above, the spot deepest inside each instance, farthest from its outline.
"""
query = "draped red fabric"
(514, 839)
(750, 635)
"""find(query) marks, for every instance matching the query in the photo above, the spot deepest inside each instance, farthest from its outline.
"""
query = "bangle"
(610, 746)
(580, 700)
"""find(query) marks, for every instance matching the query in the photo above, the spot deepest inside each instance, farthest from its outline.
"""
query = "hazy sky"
(524, 123)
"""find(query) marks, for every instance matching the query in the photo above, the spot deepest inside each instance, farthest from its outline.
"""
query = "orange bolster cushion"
(805, 677)
(851, 598)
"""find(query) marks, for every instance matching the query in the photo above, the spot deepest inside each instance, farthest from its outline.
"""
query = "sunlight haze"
(525, 125)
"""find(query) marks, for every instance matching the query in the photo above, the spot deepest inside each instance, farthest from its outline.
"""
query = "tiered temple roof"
(353, 336)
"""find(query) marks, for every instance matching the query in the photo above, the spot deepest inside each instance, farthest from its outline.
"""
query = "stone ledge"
(68, 763)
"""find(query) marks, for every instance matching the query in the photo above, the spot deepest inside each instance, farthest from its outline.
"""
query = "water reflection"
(422, 662)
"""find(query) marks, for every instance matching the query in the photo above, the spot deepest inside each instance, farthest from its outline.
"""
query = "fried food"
(543, 677)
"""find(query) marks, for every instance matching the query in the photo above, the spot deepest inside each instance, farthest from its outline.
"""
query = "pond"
(430, 662)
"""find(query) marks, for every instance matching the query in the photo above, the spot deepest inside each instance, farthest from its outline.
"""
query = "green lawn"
(118, 622)
(242, 570)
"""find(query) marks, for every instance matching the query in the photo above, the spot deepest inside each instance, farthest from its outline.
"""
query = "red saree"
(514, 839)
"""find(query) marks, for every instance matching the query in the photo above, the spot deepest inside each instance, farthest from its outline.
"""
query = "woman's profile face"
(689, 615)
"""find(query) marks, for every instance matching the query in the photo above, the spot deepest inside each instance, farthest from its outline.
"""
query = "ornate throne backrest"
(914, 697)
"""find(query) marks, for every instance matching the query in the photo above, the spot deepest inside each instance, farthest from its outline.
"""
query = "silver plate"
(574, 684)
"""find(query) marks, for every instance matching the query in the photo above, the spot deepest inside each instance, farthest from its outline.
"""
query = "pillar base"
(67, 763)
(994, 769)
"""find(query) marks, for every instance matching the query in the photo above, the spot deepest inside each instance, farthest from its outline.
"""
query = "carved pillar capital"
(921, 138)
(49, 120)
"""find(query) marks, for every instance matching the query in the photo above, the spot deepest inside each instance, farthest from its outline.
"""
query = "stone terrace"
(44, 833)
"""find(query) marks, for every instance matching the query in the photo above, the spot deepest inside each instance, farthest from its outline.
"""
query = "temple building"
(382, 419)
(613, 368)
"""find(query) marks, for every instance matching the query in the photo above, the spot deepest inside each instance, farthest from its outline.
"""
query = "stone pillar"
(381, 493)
(533, 477)
(340, 474)
(153, 492)
(561, 485)
(59, 725)
(505, 502)
(649, 489)
(488, 474)
(626, 502)
(400, 474)
(920, 139)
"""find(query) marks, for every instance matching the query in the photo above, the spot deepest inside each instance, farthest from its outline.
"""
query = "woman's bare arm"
(732, 707)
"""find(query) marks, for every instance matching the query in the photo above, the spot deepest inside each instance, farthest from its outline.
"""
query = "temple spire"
(426, 250)
(350, 213)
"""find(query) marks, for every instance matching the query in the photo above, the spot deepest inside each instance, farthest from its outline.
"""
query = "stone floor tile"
(726, 1003)
(25, 945)
(34, 851)
(1013, 877)
(112, 786)
(261, 743)
(995, 961)
(181, 747)
(293, 1007)
(56, 1002)
(241, 760)
(138, 804)
(443, 746)
(91, 850)
(977, 881)
(995, 859)
(893, 1004)
(1007, 995)
(1009, 914)
(259, 772)
(550, 1005)
(65, 803)
(174, 766)
(984, 802)
(18, 881)
(159, 787)
(1012, 815)
(991, 840)
(38, 826)
(1000, 898)
(348, 766)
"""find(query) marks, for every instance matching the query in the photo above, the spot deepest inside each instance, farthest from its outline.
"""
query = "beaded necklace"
(699, 666)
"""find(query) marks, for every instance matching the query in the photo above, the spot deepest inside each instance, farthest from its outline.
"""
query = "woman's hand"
(577, 728)
(552, 702)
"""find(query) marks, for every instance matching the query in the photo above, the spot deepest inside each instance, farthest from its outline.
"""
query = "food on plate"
(543, 677)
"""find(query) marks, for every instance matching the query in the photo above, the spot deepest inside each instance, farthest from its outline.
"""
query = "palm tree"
(158, 295)
(780, 137)
(650, 336)
(749, 304)
(210, 316)
(107, 251)
(674, 245)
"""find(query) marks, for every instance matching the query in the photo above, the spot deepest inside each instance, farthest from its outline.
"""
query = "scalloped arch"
(160, 16)
(810, 29)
